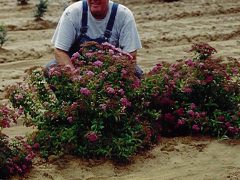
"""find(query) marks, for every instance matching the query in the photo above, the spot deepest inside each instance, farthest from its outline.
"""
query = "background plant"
(22, 2)
(41, 8)
(3, 34)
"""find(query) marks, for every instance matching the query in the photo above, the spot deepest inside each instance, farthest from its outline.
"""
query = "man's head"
(98, 8)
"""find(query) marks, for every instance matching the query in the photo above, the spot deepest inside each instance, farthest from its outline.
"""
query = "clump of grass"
(41, 8)
(3, 34)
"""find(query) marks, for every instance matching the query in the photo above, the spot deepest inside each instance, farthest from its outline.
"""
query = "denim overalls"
(84, 38)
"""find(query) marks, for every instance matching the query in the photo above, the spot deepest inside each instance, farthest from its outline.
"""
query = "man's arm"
(62, 57)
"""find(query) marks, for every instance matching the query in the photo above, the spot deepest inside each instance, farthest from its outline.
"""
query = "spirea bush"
(15, 154)
(101, 109)
(200, 95)
(88, 110)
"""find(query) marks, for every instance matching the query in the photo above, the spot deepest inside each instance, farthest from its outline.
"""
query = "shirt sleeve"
(65, 32)
(129, 39)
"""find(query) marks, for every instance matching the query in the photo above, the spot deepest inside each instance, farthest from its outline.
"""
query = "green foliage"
(3, 34)
(41, 8)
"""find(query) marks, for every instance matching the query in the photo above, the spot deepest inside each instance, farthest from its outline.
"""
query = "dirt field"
(167, 31)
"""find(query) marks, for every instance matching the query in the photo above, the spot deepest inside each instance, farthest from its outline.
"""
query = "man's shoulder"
(123, 10)
(74, 7)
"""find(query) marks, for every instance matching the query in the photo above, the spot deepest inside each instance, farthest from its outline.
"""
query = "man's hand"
(134, 54)
(62, 57)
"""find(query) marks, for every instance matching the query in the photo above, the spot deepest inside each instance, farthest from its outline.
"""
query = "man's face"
(98, 8)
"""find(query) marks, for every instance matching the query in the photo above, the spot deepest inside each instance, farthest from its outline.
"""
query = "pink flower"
(197, 115)
(90, 73)
(187, 90)
(108, 45)
(125, 102)
(103, 106)
(195, 128)
(89, 54)
(20, 111)
(54, 72)
(85, 91)
(111, 51)
(127, 54)
(228, 124)
(180, 111)
(98, 63)
(235, 70)
(166, 101)
(75, 56)
(169, 117)
(136, 83)
(70, 119)
(181, 122)
(123, 72)
(121, 91)
(156, 68)
(191, 113)
(193, 106)
(18, 96)
(92, 136)
(203, 114)
(209, 78)
(221, 118)
(146, 104)
(36, 146)
(77, 78)
(110, 90)
(201, 65)
(5, 123)
(189, 62)
(74, 105)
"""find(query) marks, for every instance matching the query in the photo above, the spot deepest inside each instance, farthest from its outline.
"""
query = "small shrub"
(3, 34)
(41, 9)
(22, 2)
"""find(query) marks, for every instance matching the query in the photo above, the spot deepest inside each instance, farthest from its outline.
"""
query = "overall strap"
(108, 31)
(84, 26)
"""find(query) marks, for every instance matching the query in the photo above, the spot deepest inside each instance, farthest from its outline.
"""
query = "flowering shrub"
(101, 109)
(200, 95)
(15, 156)
(88, 110)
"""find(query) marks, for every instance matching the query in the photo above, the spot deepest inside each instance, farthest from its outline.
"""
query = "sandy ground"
(167, 31)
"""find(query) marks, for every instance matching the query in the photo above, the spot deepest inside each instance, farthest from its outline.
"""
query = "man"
(95, 20)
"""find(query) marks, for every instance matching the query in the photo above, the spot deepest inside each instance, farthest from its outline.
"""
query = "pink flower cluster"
(91, 136)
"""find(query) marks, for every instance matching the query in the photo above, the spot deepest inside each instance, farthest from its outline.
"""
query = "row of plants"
(101, 109)
(41, 9)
